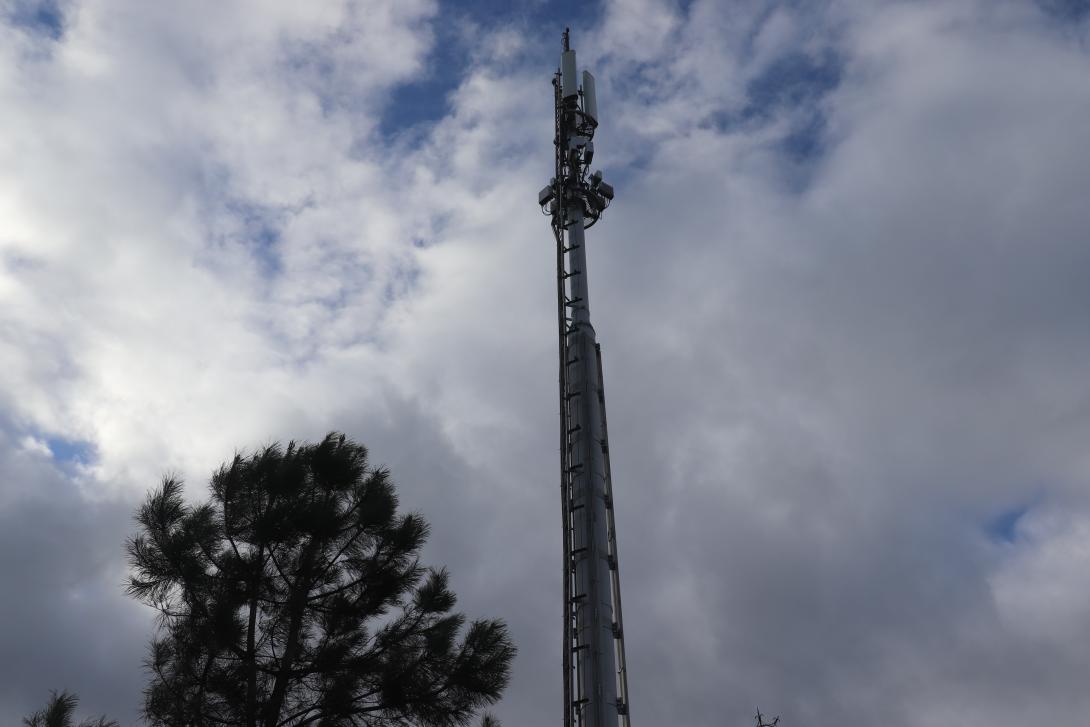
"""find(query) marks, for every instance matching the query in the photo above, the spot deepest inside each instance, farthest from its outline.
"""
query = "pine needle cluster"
(60, 712)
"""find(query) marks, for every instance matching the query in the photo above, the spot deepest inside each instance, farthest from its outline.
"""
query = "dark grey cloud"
(67, 623)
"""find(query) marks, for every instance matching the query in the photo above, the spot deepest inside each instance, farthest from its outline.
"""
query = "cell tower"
(595, 676)
(761, 720)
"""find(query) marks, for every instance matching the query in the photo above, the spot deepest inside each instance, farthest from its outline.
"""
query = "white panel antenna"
(568, 84)
(590, 98)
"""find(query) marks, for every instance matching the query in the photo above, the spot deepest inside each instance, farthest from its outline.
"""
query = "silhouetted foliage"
(59, 711)
(295, 597)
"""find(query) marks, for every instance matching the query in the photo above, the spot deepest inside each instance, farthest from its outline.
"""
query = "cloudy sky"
(842, 297)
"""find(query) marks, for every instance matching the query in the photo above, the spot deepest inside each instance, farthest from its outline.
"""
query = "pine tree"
(295, 596)
(59, 711)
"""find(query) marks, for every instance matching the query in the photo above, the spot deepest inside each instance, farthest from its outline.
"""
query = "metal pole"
(590, 544)
(593, 633)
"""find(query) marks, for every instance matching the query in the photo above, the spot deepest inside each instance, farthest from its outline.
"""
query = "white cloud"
(1038, 592)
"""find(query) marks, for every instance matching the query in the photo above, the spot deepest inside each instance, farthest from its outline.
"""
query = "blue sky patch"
(261, 226)
(402, 282)
(425, 100)
(71, 451)
(794, 79)
(792, 86)
(1003, 528)
(1073, 10)
(40, 17)
(806, 140)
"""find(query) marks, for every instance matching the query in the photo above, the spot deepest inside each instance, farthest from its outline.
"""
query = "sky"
(841, 296)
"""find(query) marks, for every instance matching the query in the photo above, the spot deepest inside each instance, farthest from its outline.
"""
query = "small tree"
(59, 711)
(295, 597)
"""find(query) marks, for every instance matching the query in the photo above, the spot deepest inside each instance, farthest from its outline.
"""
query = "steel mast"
(761, 720)
(595, 674)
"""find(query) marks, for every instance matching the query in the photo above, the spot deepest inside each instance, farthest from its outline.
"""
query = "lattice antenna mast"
(761, 720)
(595, 674)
